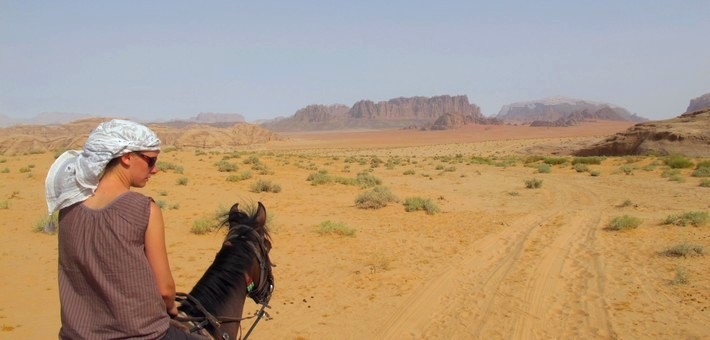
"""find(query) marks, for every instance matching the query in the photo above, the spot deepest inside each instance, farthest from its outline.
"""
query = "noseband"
(259, 292)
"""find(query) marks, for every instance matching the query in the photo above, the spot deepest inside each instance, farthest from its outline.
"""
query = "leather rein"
(261, 295)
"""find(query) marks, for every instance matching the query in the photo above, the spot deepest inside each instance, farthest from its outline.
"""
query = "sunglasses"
(149, 160)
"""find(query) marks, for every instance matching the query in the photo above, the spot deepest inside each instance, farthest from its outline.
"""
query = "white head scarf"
(75, 174)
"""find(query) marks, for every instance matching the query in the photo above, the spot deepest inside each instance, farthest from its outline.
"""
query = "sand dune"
(498, 261)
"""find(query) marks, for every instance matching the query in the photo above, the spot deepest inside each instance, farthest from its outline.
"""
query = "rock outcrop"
(366, 114)
(41, 138)
(702, 102)
(561, 110)
(687, 134)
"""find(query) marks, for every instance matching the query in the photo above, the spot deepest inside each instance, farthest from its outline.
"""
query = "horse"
(241, 268)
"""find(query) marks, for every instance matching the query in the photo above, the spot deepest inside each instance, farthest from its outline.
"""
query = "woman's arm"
(158, 258)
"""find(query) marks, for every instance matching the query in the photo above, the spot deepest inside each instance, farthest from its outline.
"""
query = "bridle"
(259, 292)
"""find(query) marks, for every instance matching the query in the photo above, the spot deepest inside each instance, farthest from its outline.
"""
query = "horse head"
(241, 268)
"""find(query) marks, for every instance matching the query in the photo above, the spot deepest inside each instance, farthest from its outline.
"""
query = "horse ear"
(260, 216)
(234, 209)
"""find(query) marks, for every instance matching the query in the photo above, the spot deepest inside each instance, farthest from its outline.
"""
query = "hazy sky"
(263, 59)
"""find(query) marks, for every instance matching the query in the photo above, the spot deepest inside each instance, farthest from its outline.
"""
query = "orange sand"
(498, 261)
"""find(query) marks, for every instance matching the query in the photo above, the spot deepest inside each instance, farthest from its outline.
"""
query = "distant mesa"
(702, 102)
(687, 134)
(562, 111)
(419, 112)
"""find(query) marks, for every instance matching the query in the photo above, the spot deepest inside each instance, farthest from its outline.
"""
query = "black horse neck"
(222, 289)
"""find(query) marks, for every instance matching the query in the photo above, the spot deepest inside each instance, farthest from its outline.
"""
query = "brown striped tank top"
(106, 287)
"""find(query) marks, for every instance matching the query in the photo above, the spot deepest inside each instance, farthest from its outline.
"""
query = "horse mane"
(226, 273)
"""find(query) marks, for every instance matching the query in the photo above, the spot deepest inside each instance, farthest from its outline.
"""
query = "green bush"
(418, 203)
(581, 167)
(701, 172)
(408, 172)
(694, 218)
(367, 180)
(47, 224)
(533, 183)
(165, 166)
(544, 168)
(624, 222)
(678, 162)
(5, 170)
(587, 160)
(338, 228)
(181, 181)
(244, 175)
(25, 169)
(320, 177)
(595, 173)
(627, 169)
(202, 226)
(684, 250)
(262, 185)
(705, 183)
(4, 205)
(555, 160)
(375, 198)
(224, 166)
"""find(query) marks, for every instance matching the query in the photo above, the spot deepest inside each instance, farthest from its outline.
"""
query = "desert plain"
(497, 260)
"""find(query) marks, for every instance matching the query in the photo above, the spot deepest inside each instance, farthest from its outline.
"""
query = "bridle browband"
(261, 295)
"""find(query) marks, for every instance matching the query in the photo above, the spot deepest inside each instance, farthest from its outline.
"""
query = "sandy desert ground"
(498, 261)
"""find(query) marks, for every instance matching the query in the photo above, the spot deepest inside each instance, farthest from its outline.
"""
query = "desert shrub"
(532, 159)
(624, 222)
(320, 177)
(670, 173)
(181, 181)
(4, 205)
(705, 183)
(450, 169)
(253, 159)
(626, 169)
(480, 160)
(163, 193)
(587, 160)
(375, 198)
(678, 162)
(165, 166)
(337, 228)
(533, 183)
(169, 149)
(649, 167)
(202, 226)
(439, 167)
(5, 170)
(555, 160)
(418, 203)
(408, 172)
(626, 203)
(703, 171)
(367, 180)
(703, 164)
(47, 223)
(684, 250)
(175, 206)
(506, 162)
(595, 173)
(161, 204)
(25, 169)
(681, 277)
(581, 167)
(544, 168)
(200, 153)
(265, 186)
(246, 174)
(513, 193)
(224, 166)
(694, 218)
(3, 160)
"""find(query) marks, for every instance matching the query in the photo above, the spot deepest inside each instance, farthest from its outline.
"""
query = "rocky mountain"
(559, 111)
(702, 102)
(40, 138)
(687, 134)
(365, 114)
